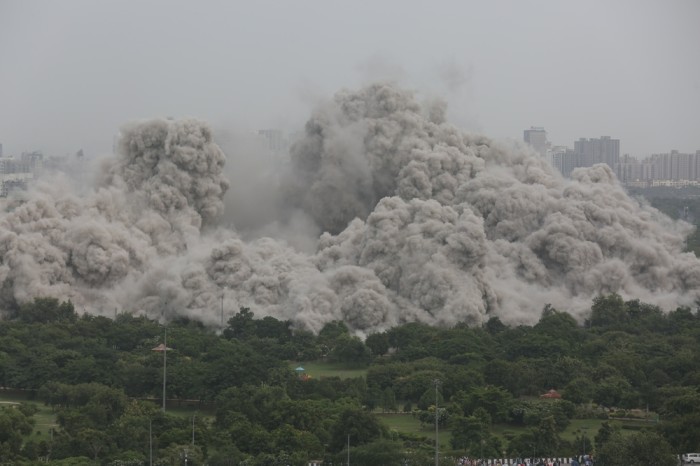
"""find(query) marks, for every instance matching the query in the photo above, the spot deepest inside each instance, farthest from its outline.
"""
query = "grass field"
(319, 369)
(45, 418)
(406, 423)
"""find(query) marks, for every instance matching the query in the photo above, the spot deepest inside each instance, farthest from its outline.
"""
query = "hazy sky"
(73, 71)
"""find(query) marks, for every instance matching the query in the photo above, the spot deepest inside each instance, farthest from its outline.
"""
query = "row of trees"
(95, 373)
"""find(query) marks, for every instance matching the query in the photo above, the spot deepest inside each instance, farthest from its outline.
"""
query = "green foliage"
(467, 432)
(332, 331)
(349, 349)
(608, 311)
(495, 401)
(241, 325)
(361, 426)
(429, 398)
(47, 310)
(378, 453)
(641, 449)
(378, 343)
(96, 375)
(13, 425)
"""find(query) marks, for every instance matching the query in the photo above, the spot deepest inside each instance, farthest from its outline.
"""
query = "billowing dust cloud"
(422, 222)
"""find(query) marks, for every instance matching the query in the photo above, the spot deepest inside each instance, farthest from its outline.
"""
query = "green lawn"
(406, 423)
(45, 418)
(319, 369)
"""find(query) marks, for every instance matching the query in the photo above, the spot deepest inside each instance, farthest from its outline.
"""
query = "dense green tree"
(495, 400)
(348, 349)
(14, 424)
(332, 331)
(640, 448)
(378, 343)
(389, 400)
(45, 310)
(494, 326)
(604, 434)
(361, 426)
(608, 311)
(93, 441)
(430, 397)
(413, 340)
(467, 432)
(386, 375)
(241, 325)
(631, 356)
(269, 327)
(382, 452)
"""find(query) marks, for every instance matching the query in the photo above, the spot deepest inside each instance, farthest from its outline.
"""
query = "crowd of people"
(585, 460)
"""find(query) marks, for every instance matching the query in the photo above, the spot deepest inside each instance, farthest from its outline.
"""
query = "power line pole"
(437, 439)
(150, 442)
(164, 348)
(165, 362)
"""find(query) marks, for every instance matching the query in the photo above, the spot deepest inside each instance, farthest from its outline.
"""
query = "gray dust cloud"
(421, 222)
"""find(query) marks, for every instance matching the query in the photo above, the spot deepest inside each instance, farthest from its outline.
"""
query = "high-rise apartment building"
(274, 140)
(537, 137)
(672, 166)
(601, 150)
(565, 160)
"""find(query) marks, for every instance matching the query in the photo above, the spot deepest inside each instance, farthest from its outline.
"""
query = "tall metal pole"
(437, 440)
(150, 442)
(222, 309)
(348, 449)
(165, 362)
(193, 416)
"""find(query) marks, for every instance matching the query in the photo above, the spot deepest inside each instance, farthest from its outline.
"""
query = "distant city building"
(669, 169)
(601, 150)
(274, 139)
(564, 159)
(18, 173)
(0, 149)
(537, 137)
(586, 153)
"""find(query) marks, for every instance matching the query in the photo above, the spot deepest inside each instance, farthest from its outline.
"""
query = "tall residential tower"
(537, 137)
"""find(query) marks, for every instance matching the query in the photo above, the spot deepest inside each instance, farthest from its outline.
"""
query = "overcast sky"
(73, 71)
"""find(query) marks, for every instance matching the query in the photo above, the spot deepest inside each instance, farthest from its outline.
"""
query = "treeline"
(95, 373)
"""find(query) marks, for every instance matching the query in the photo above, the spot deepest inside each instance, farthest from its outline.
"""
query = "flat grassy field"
(408, 424)
(319, 369)
(45, 418)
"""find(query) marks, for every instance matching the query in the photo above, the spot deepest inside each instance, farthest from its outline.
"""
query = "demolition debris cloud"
(422, 222)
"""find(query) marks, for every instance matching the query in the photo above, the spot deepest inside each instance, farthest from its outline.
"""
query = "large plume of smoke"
(422, 222)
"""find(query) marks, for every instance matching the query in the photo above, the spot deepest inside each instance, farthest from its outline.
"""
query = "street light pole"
(164, 348)
(165, 362)
(150, 442)
(437, 440)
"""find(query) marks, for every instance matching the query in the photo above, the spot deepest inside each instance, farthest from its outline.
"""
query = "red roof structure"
(551, 394)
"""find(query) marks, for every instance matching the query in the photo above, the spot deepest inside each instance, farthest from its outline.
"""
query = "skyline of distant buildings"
(536, 136)
(673, 168)
(18, 173)
(667, 169)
